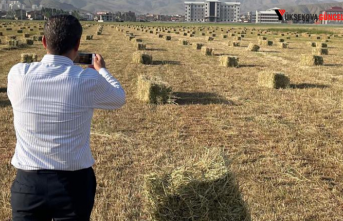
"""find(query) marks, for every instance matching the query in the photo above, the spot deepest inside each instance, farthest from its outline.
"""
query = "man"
(53, 103)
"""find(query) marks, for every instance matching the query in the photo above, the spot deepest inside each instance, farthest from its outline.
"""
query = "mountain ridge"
(177, 6)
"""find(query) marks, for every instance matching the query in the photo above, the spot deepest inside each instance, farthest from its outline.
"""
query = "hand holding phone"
(99, 62)
(85, 58)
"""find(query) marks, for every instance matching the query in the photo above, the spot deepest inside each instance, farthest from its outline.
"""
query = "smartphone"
(85, 58)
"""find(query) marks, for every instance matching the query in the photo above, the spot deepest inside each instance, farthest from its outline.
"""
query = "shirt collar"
(57, 59)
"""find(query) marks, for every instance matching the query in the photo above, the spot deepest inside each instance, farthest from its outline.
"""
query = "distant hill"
(177, 6)
(50, 4)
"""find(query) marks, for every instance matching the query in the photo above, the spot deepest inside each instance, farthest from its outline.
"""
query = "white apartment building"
(268, 16)
(212, 11)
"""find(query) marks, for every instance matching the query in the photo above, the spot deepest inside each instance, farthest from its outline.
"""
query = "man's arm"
(109, 94)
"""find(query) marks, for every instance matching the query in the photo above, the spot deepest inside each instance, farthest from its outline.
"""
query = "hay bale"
(140, 46)
(29, 41)
(130, 37)
(273, 80)
(282, 45)
(202, 189)
(229, 61)
(183, 42)
(311, 60)
(37, 38)
(28, 58)
(312, 44)
(153, 90)
(13, 43)
(89, 37)
(320, 51)
(141, 58)
(234, 44)
(265, 42)
(137, 40)
(207, 51)
(208, 38)
(253, 47)
(11, 37)
(197, 46)
(321, 45)
(280, 40)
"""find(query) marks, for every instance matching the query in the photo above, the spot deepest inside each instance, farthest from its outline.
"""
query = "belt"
(52, 171)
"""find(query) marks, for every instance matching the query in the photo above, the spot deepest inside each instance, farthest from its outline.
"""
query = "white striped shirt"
(53, 103)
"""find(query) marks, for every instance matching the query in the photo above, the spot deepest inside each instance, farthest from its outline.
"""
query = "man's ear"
(77, 45)
(44, 42)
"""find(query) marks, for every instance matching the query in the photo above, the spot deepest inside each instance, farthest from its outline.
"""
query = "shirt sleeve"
(109, 95)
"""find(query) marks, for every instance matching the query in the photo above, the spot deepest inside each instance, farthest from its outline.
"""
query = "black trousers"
(47, 195)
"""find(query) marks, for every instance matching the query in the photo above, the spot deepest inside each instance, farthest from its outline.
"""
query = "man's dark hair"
(62, 33)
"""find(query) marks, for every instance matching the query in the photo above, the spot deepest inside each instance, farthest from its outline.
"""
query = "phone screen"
(83, 58)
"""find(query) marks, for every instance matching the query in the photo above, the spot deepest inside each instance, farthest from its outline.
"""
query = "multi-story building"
(212, 11)
(338, 11)
(268, 16)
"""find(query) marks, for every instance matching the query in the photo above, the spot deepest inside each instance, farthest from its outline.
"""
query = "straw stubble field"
(284, 146)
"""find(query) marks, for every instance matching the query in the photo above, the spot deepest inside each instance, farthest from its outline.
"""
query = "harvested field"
(284, 147)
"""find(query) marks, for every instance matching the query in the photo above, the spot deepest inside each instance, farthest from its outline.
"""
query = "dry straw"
(229, 61)
(140, 46)
(207, 51)
(28, 58)
(141, 58)
(153, 90)
(201, 190)
(311, 60)
(234, 44)
(207, 38)
(183, 42)
(320, 51)
(312, 44)
(253, 47)
(197, 46)
(273, 80)
(282, 45)
(321, 45)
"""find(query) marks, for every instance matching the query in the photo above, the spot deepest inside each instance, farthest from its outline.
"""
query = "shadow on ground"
(166, 62)
(3, 90)
(202, 98)
(155, 49)
(306, 86)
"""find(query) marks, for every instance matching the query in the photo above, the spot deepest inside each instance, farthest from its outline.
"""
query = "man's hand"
(99, 62)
